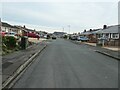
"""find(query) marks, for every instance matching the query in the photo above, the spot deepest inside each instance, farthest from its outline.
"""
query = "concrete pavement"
(111, 52)
(66, 65)
(35, 40)
(106, 47)
(11, 62)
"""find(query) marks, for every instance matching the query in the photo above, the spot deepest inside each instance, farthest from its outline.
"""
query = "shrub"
(48, 36)
(65, 36)
(9, 41)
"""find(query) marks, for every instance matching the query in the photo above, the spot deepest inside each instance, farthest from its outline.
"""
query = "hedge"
(9, 41)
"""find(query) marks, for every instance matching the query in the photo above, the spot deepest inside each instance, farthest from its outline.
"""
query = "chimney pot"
(104, 26)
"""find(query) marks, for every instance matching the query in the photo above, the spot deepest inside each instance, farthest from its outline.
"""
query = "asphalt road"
(66, 65)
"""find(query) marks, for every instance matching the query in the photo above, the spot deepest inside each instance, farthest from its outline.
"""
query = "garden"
(11, 44)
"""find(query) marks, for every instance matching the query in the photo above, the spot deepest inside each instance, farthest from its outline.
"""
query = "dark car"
(53, 37)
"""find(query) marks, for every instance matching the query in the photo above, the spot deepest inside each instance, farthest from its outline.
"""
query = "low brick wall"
(36, 40)
(113, 43)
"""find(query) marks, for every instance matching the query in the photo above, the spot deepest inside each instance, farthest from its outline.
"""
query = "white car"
(45, 36)
(82, 38)
(11, 34)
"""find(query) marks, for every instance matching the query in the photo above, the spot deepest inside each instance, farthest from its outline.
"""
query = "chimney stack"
(104, 26)
(24, 26)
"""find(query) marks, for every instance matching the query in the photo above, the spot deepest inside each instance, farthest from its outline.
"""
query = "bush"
(48, 36)
(9, 41)
(65, 36)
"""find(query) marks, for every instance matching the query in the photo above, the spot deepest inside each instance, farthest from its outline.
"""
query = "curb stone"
(104, 53)
(21, 69)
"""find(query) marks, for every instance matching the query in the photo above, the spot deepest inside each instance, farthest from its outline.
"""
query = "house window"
(115, 36)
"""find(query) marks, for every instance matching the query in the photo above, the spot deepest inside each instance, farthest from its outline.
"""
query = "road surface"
(66, 65)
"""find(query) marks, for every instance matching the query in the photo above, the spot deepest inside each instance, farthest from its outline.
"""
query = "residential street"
(67, 65)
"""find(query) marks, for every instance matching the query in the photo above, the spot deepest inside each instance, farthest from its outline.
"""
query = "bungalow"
(111, 34)
(91, 35)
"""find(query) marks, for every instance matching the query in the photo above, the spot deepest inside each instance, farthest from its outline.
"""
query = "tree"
(65, 36)
(78, 33)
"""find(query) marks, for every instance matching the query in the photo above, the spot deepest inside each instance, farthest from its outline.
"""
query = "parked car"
(33, 35)
(45, 36)
(53, 37)
(11, 34)
(74, 37)
(2, 34)
(82, 38)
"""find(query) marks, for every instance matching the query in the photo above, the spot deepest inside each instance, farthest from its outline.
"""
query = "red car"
(33, 35)
(2, 33)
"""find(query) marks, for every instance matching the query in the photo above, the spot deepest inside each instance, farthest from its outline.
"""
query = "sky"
(54, 16)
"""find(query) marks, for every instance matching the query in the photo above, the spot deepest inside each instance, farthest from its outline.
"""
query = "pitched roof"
(90, 32)
(6, 25)
(86, 33)
(58, 33)
(111, 29)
